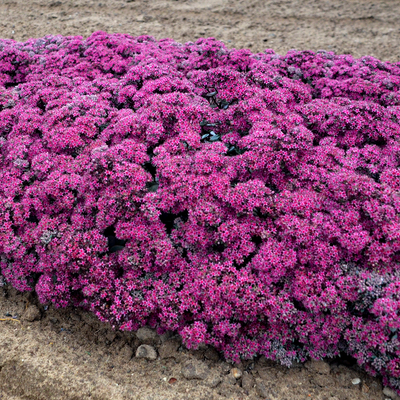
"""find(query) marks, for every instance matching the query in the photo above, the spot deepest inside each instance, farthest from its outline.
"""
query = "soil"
(67, 353)
(357, 27)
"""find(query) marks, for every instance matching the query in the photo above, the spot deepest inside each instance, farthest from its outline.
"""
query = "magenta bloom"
(246, 201)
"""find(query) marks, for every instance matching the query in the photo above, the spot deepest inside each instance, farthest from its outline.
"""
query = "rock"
(356, 381)
(31, 314)
(169, 349)
(211, 354)
(318, 366)
(247, 381)
(230, 380)
(147, 335)
(213, 380)
(199, 354)
(195, 369)
(147, 352)
(126, 353)
(391, 393)
(236, 373)
(225, 367)
(165, 336)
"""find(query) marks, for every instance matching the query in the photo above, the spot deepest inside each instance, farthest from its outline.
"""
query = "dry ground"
(358, 27)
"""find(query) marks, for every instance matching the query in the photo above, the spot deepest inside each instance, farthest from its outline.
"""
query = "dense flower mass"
(246, 201)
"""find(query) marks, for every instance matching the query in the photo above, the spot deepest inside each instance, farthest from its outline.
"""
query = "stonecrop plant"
(246, 201)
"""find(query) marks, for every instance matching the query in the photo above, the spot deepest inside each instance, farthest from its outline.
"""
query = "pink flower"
(247, 201)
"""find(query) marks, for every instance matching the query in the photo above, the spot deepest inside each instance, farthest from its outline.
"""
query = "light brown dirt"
(358, 27)
(62, 354)
(68, 354)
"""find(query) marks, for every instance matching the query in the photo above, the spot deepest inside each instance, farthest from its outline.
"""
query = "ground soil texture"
(68, 353)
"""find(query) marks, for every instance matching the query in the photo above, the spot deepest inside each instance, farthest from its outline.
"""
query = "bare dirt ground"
(68, 354)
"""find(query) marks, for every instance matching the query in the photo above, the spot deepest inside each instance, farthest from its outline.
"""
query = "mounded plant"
(246, 201)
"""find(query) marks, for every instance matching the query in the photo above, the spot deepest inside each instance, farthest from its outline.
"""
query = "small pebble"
(356, 381)
(147, 352)
(32, 313)
(391, 393)
(236, 373)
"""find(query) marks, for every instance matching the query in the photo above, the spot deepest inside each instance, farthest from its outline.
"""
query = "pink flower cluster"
(246, 201)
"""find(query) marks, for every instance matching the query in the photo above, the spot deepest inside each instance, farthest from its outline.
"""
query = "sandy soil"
(68, 354)
(359, 27)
